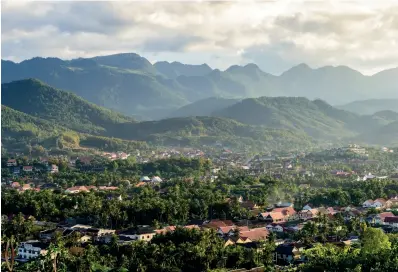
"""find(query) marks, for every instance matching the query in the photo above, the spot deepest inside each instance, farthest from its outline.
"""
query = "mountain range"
(130, 84)
(32, 110)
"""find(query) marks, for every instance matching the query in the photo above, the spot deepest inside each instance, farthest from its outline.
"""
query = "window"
(147, 236)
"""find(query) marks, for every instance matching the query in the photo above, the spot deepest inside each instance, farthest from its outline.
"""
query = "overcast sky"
(276, 35)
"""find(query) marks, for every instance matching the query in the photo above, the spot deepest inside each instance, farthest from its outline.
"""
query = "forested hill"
(63, 108)
(19, 125)
(204, 107)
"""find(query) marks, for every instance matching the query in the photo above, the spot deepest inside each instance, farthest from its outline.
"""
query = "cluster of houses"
(282, 218)
(115, 155)
(16, 169)
(85, 189)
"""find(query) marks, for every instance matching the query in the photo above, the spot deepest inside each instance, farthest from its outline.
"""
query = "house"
(379, 218)
(288, 212)
(43, 161)
(236, 241)
(165, 230)
(379, 203)
(98, 234)
(156, 179)
(308, 207)
(15, 185)
(26, 187)
(217, 223)
(47, 235)
(11, 162)
(144, 233)
(288, 253)
(368, 203)
(382, 203)
(272, 217)
(27, 168)
(76, 189)
(31, 249)
(122, 155)
(391, 221)
(275, 228)
(53, 169)
(257, 234)
(145, 179)
(308, 214)
(231, 230)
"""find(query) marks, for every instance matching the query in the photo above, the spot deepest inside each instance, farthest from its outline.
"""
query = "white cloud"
(275, 35)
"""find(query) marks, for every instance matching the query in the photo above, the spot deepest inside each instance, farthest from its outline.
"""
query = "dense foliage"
(63, 108)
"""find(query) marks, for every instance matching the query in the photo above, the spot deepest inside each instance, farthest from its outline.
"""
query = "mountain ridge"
(130, 84)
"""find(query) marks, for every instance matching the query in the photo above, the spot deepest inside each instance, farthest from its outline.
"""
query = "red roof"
(78, 188)
(15, 184)
(391, 219)
(274, 215)
(285, 211)
(383, 215)
(255, 234)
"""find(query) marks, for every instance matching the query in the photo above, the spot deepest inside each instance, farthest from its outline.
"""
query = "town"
(262, 210)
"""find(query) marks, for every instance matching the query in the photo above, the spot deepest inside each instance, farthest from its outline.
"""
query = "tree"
(374, 241)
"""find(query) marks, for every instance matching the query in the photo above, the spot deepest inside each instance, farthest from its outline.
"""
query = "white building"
(31, 249)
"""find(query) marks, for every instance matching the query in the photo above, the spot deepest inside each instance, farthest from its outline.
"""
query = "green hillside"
(19, 130)
(204, 107)
(16, 124)
(65, 109)
(212, 130)
(316, 118)
(386, 135)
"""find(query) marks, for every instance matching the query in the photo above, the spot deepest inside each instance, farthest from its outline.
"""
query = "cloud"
(275, 35)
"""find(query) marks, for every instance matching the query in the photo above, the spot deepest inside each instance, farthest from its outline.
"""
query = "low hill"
(16, 124)
(213, 130)
(19, 130)
(63, 108)
(316, 118)
(371, 106)
(294, 113)
(204, 107)
(386, 135)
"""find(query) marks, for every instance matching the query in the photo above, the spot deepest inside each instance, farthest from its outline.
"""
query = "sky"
(275, 35)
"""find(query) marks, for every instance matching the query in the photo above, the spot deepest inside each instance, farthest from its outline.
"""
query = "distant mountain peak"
(251, 66)
(298, 69)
